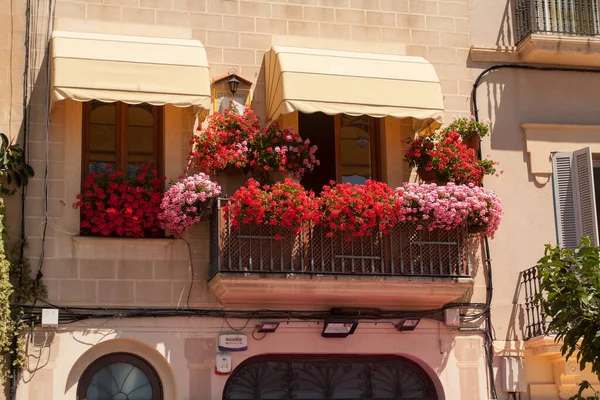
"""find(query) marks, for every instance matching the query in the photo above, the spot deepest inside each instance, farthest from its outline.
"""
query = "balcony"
(558, 32)
(271, 268)
(536, 320)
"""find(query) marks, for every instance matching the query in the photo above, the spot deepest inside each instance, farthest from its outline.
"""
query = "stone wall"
(236, 34)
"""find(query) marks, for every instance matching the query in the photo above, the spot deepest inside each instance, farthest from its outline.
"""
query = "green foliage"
(582, 387)
(489, 166)
(468, 127)
(570, 283)
(7, 325)
(14, 171)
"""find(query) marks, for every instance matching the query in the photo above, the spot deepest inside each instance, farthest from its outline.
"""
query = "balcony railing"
(537, 323)
(567, 17)
(405, 251)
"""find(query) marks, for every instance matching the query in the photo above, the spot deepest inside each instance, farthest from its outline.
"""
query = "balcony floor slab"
(321, 292)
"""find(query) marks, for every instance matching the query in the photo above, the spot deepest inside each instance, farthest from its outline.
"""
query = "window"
(348, 148)
(576, 199)
(121, 135)
(119, 376)
(321, 377)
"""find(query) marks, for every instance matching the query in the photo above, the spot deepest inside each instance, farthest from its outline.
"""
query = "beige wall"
(183, 350)
(511, 98)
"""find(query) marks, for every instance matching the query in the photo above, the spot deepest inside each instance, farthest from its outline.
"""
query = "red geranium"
(448, 156)
(113, 204)
(225, 142)
(359, 209)
(285, 204)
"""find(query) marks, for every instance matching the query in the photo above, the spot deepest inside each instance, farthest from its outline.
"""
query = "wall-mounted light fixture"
(267, 327)
(339, 327)
(408, 324)
(233, 84)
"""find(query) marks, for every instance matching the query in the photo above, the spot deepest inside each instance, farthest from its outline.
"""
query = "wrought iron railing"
(537, 323)
(405, 251)
(568, 17)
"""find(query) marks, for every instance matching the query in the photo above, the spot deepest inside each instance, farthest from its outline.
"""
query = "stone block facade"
(236, 35)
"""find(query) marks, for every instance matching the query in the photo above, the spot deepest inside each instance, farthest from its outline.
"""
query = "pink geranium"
(183, 204)
(448, 207)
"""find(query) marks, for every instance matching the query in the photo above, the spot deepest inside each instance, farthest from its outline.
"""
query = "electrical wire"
(47, 221)
(189, 247)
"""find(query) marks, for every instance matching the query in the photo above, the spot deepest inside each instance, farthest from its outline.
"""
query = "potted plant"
(470, 130)
(187, 202)
(359, 210)
(417, 156)
(286, 205)
(224, 143)
(114, 204)
(14, 171)
(277, 150)
(449, 207)
(445, 158)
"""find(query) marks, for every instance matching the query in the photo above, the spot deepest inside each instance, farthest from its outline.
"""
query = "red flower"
(116, 205)
(359, 209)
(284, 204)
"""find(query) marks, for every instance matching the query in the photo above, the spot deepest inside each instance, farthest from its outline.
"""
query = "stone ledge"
(543, 346)
(92, 247)
(537, 48)
(324, 292)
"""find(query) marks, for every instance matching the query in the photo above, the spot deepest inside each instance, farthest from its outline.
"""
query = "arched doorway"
(325, 377)
(119, 376)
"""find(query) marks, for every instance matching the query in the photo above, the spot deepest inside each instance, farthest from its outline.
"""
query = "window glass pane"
(140, 136)
(103, 136)
(355, 136)
(120, 381)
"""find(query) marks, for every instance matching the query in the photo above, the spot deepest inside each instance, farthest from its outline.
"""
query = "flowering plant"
(279, 149)
(285, 204)
(451, 206)
(225, 142)
(448, 157)
(359, 209)
(468, 127)
(114, 204)
(185, 201)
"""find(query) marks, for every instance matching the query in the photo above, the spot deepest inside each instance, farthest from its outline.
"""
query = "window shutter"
(574, 197)
(585, 198)
(563, 200)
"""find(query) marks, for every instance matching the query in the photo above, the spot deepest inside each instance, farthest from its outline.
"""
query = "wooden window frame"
(114, 358)
(121, 137)
(375, 132)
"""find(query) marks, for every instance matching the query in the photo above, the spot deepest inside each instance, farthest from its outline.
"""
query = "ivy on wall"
(14, 173)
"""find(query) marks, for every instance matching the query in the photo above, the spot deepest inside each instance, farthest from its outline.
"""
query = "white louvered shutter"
(564, 201)
(574, 197)
(585, 197)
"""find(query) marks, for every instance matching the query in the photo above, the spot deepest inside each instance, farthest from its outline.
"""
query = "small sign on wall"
(223, 363)
(233, 342)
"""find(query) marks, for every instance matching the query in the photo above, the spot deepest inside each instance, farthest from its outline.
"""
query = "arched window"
(119, 376)
(325, 377)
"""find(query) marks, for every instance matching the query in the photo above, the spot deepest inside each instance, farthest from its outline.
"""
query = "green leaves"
(14, 171)
(570, 283)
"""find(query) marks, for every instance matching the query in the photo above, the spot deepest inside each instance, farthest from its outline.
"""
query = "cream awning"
(341, 82)
(130, 69)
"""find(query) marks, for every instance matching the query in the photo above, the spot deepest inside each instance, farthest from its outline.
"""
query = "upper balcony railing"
(405, 251)
(564, 17)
